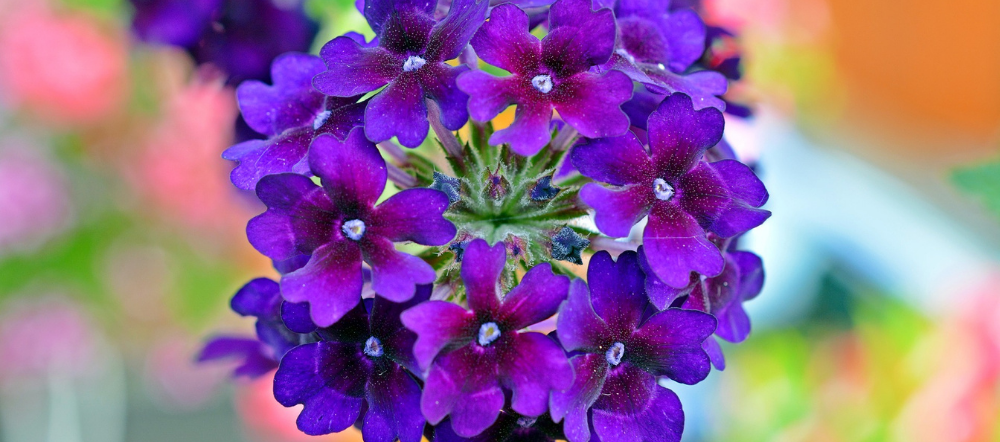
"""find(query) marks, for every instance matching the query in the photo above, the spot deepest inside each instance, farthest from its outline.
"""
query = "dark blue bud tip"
(497, 185)
(544, 190)
(458, 248)
(567, 245)
(450, 186)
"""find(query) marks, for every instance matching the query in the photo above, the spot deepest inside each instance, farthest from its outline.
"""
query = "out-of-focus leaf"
(981, 181)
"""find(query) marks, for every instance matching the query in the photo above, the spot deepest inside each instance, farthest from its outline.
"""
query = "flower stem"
(397, 153)
(565, 138)
(447, 137)
(399, 177)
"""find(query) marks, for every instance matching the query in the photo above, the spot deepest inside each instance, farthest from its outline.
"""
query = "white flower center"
(662, 189)
(488, 333)
(525, 422)
(354, 229)
(321, 119)
(615, 354)
(413, 63)
(373, 347)
(543, 83)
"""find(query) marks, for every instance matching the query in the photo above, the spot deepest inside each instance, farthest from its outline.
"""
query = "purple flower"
(658, 47)
(361, 362)
(239, 36)
(261, 299)
(683, 195)
(623, 345)
(409, 61)
(339, 226)
(549, 74)
(291, 114)
(509, 427)
(472, 355)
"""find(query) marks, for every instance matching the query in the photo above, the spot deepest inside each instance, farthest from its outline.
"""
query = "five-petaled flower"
(624, 344)
(339, 226)
(472, 355)
(684, 195)
(553, 73)
(409, 61)
(363, 359)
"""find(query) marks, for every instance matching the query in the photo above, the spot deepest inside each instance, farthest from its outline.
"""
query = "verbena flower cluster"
(419, 310)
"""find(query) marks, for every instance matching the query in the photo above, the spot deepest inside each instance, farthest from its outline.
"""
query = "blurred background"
(876, 129)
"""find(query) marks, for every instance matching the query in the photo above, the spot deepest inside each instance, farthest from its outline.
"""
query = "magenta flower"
(622, 345)
(409, 62)
(339, 226)
(473, 355)
(684, 196)
(357, 370)
(553, 73)
(291, 113)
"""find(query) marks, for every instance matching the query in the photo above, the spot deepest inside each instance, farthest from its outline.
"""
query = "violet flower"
(409, 62)
(509, 427)
(683, 195)
(259, 298)
(553, 73)
(339, 226)
(360, 363)
(658, 47)
(472, 355)
(291, 114)
(624, 345)
(239, 36)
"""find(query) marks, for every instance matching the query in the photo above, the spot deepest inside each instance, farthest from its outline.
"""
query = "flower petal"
(352, 171)
(595, 30)
(529, 132)
(393, 407)
(616, 160)
(395, 274)
(328, 379)
(714, 351)
(734, 324)
(742, 182)
(679, 135)
(253, 354)
(482, 266)
(439, 82)
(296, 317)
(751, 273)
(660, 294)
(676, 245)
(452, 34)
(669, 344)
(535, 299)
(353, 69)
(437, 324)
(400, 110)
(488, 95)
(590, 371)
(464, 384)
(686, 33)
(662, 420)
(591, 103)
(504, 41)
(532, 367)
(616, 211)
(299, 217)
(259, 158)
(259, 298)
(291, 102)
(413, 215)
(378, 11)
(617, 291)
(704, 194)
(738, 218)
(331, 282)
(579, 326)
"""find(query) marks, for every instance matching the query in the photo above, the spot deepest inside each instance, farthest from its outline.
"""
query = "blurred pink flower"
(64, 69)
(34, 198)
(40, 336)
(180, 165)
